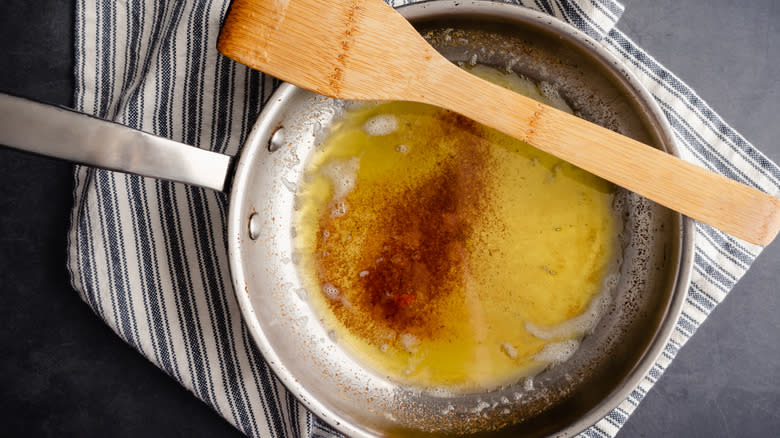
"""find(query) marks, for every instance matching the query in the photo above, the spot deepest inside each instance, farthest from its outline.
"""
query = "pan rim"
(261, 131)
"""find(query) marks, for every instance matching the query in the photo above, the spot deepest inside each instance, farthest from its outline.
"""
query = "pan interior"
(449, 256)
(360, 402)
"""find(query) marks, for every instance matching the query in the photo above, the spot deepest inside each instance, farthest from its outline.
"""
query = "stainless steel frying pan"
(657, 244)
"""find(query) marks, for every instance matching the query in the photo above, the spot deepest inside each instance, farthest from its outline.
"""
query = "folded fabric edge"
(611, 424)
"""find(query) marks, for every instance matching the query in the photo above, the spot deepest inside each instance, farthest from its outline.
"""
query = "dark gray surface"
(62, 372)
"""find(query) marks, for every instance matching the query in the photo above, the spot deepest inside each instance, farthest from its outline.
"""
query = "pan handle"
(60, 132)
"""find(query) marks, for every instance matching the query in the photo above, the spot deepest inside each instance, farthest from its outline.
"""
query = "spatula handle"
(713, 199)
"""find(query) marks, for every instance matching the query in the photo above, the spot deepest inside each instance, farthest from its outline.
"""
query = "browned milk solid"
(445, 254)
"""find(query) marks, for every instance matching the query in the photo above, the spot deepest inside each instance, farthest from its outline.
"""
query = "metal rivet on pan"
(277, 140)
(254, 226)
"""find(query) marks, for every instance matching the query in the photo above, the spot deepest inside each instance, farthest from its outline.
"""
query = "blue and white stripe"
(149, 257)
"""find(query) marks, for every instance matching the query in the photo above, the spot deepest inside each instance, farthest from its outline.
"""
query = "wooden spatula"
(365, 50)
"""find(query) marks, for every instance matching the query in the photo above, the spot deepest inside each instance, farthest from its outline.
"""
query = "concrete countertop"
(63, 372)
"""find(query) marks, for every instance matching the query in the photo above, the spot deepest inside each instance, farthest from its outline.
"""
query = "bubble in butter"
(447, 255)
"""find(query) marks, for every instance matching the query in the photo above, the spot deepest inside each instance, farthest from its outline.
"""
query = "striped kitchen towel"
(149, 257)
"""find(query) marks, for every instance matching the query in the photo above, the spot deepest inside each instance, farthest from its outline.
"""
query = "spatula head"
(352, 49)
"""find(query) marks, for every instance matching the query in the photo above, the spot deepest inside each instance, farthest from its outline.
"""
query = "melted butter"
(432, 247)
